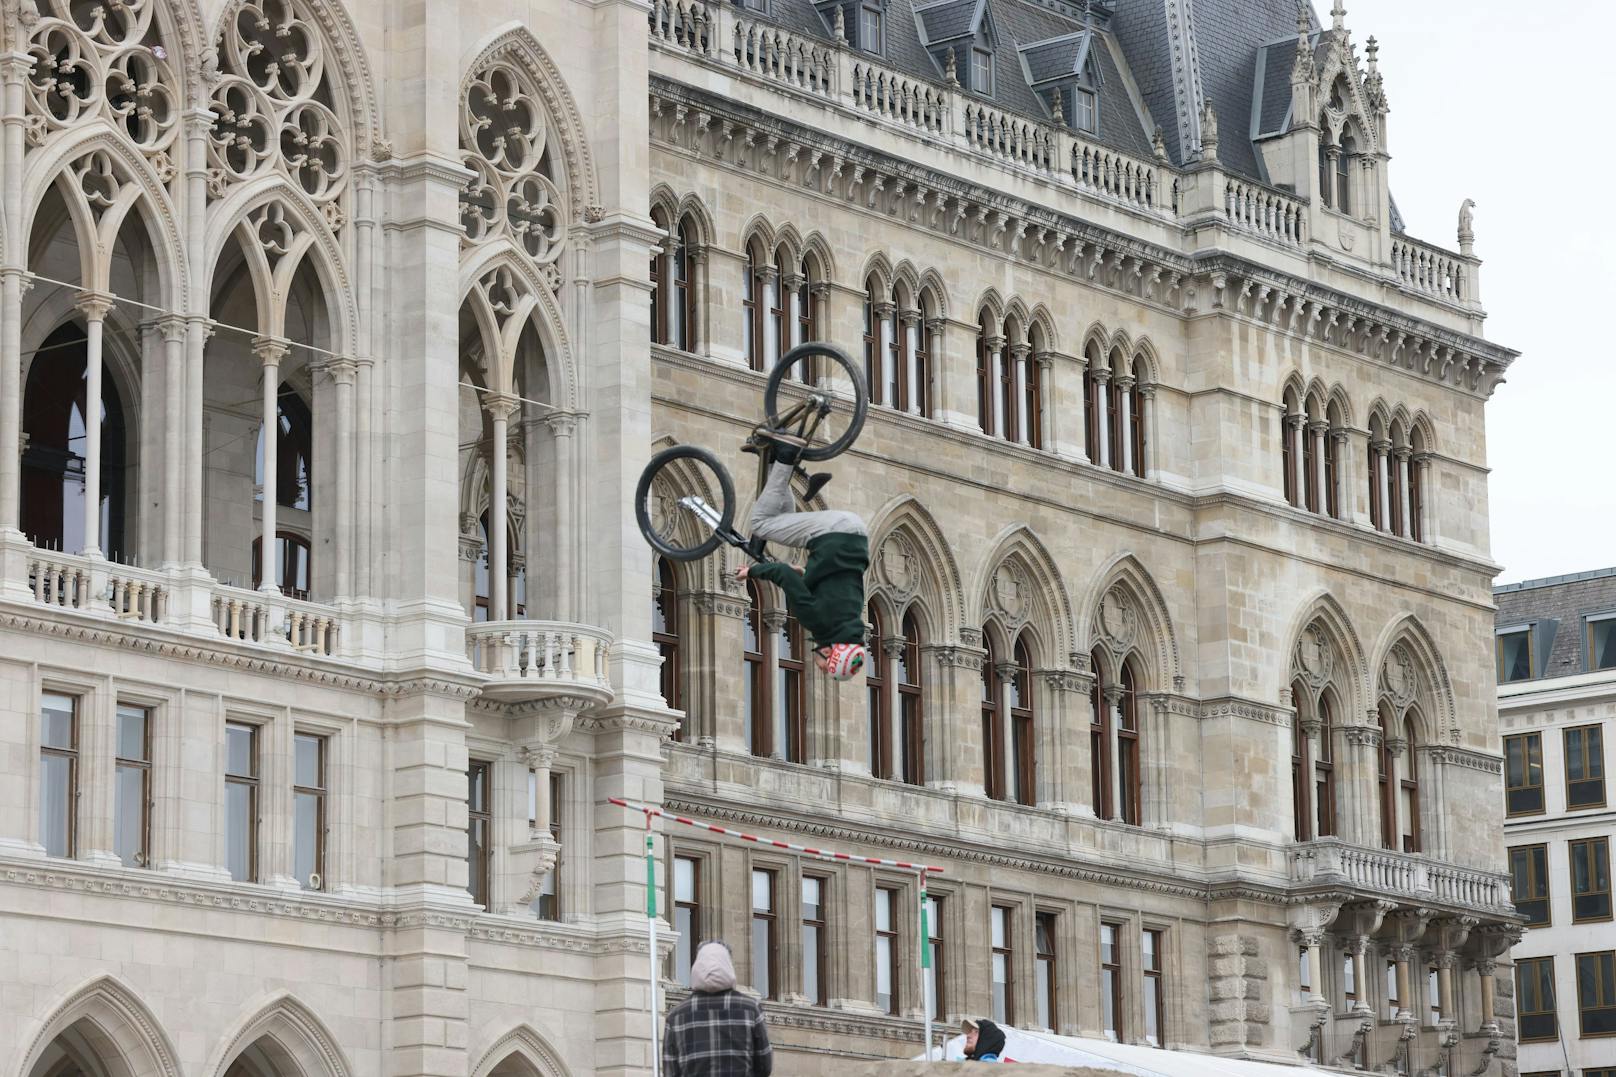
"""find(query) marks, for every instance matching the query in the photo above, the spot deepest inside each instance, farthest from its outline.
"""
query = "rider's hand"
(740, 572)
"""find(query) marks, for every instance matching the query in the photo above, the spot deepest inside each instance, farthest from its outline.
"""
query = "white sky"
(1502, 101)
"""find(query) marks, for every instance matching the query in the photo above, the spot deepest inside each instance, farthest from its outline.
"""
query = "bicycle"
(818, 413)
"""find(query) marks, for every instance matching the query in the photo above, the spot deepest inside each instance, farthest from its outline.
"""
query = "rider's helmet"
(844, 661)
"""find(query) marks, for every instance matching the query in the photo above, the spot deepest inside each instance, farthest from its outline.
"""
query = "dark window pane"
(1602, 644)
(684, 952)
(1515, 656)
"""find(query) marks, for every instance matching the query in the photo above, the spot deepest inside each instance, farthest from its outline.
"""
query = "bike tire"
(861, 395)
(642, 512)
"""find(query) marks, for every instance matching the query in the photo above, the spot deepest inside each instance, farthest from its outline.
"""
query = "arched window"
(1395, 466)
(1326, 171)
(920, 400)
(53, 463)
(1411, 789)
(665, 634)
(292, 565)
(681, 305)
(1378, 446)
(1010, 357)
(790, 741)
(1418, 456)
(992, 726)
(293, 486)
(659, 297)
(807, 317)
(984, 373)
(780, 321)
(1343, 172)
(896, 369)
(1137, 417)
(911, 712)
(753, 304)
(1100, 762)
(1113, 415)
(1129, 782)
(1022, 783)
(877, 675)
(1332, 464)
(1301, 810)
(1291, 447)
(754, 694)
(1385, 772)
(1310, 459)
(874, 330)
(1324, 772)
(1091, 404)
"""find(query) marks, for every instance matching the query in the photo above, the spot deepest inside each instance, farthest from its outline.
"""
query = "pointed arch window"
(1091, 405)
(1386, 776)
(1113, 417)
(753, 304)
(754, 695)
(911, 706)
(874, 338)
(1410, 788)
(1022, 782)
(896, 370)
(1100, 740)
(877, 676)
(665, 635)
(984, 374)
(992, 726)
(1008, 407)
(1343, 172)
(673, 294)
(1324, 771)
(789, 733)
(920, 398)
(1136, 425)
(1129, 779)
(1301, 809)
(659, 297)
(780, 321)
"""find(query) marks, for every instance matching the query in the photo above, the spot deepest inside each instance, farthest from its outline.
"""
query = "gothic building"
(333, 337)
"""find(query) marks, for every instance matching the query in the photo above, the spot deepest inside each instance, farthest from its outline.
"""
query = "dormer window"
(959, 35)
(863, 23)
(981, 71)
(1064, 74)
(870, 30)
(753, 5)
(1083, 110)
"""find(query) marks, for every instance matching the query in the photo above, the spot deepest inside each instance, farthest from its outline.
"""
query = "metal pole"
(925, 962)
(650, 920)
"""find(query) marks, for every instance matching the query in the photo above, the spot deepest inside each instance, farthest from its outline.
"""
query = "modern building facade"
(325, 644)
(1556, 652)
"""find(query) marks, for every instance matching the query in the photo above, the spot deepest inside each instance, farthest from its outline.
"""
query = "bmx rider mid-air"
(826, 597)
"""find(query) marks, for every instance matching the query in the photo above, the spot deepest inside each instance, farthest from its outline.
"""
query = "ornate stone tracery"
(504, 140)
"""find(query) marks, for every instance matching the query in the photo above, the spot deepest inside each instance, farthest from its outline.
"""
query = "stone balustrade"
(97, 587)
(1265, 212)
(1005, 135)
(779, 55)
(531, 660)
(1408, 876)
(1430, 270)
(274, 620)
(898, 98)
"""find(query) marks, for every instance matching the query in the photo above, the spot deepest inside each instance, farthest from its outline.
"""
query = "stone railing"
(1429, 270)
(1396, 875)
(1114, 175)
(780, 55)
(684, 24)
(97, 587)
(1003, 134)
(528, 660)
(270, 618)
(899, 98)
(1263, 211)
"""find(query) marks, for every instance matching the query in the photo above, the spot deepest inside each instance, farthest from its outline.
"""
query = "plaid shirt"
(717, 1035)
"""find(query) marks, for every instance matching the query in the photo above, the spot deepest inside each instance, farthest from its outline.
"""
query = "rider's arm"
(784, 577)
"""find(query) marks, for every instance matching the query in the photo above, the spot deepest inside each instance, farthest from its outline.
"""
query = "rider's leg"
(773, 520)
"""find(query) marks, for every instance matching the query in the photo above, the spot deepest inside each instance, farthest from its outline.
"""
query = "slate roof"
(1556, 607)
(948, 20)
(1056, 58)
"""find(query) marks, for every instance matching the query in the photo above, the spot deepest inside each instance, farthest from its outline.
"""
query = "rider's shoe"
(816, 483)
(787, 448)
(756, 548)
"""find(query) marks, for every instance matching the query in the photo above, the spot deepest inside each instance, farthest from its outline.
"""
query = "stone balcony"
(1330, 864)
(532, 661)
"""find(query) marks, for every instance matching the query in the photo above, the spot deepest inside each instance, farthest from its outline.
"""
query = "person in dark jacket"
(827, 597)
(718, 1031)
(984, 1041)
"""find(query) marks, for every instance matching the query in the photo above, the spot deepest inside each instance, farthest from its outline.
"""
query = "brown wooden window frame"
(1301, 787)
(1136, 428)
(1046, 967)
(1388, 801)
(1100, 760)
(1152, 970)
(318, 793)
(251, 781)
(791, 685)
(1002, 949)
(1324, 815)
(1091, 408)
(1009, 407)
(984, 379)
(752, 310)
(1287, 457)
(877, 678)
(1531, 654)
(1590, 627)
(1597, 852)
(872, 341)
(1409, 785)
(1113, 418)
(687, 911)
(992, 724)
(665, 636)
(815, 949)
(1531, 756)
(70, 756)
(1034, 392)
(1603, 1003)
(1130, 779)
(779, 311)
(659, 299)
(889, 937)
(1021, 732)
(1590, 754)
(923, 361)
(1111, 982)
(140, 857)
(1531, 971)
(756, 687)
(911, 691)
(1535, 861)
(1377, 513)
(765, 918)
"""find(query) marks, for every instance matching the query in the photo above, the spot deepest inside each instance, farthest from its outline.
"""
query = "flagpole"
(650, 921)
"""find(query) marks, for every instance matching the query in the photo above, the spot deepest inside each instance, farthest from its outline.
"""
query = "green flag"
(650, 880)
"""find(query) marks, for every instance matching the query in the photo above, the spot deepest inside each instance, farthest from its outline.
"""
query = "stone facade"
(1557, 712)
(1175, 484)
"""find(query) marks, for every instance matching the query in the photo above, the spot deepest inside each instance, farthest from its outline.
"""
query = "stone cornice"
(1466, 758)
(1248, 709)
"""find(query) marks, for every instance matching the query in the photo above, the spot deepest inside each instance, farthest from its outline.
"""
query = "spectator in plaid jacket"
(718, 1031)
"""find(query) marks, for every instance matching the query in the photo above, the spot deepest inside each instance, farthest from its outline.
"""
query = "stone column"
(197, 332)
(1102, 395)
(1018, 388)
(369, 501)
(500, 408)
(935, 342)
(1318, 430)
(909, 321)
(1123, 383)
(886, 334)
(1360, 972)
(1313, 942)
(793, 283)
(713, 637)
(1113, 706)
(1357, 776)
(1420, 466)
(1445, 962)
(342, 373)
(1063, 761)
(1382, 479)
(270, 352)
(1049, 419)
(700, 337)
(14, 280)
(1012, 762)
(772, 621)
(1343, 474)
(1404, 494)
(953, 719)
(1485, 970)
(1146, 443)
(94, 306)
(1395, 747)
(892, 647)
(173, 329)
(819, 293)
(1403, 955)
(992, 421)
(768, 297)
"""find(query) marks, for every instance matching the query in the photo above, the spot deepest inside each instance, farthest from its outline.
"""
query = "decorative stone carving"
(1118, 621)
(504, 130)
(1011, 594)
(1314, 660)
(898, 564)
(1398, 677)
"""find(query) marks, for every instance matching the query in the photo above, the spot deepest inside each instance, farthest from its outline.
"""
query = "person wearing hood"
(718, 1031)
(984, 1041)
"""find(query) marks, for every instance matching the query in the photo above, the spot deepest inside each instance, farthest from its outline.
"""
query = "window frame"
(821, 927)
(1598, 852)
(320, 793)
(1323, 775)
(1499, 636)
(1538, 965)
(877, 680)
(891, 937)
(937, 941)
(1022, 731)
(756, 696)
(685, 908)
(286, 542)
(479, 873)
(984, 379)
(1152, 971)
(547, 906)
(1590, 754)
(1091, 407)
(1408, 782)
(71, 754)
(981, 61)
(1130, 780)
(1590, 622)
(1605, 992)
(753, 347)
(1111, 982)
(1046, 966)
(911, 710)
(1101, 761)
(1536, 860)
(1529, 739)
(770, 917)
(665, 636)
(791, 685)
(992, 724)
(682, 275)
(253, 782)
(143, 765)
(1002, 917)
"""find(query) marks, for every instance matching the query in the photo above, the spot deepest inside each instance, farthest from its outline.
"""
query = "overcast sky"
(1501, 101)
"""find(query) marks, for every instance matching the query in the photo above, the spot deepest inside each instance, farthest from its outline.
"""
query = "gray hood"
(712, 971)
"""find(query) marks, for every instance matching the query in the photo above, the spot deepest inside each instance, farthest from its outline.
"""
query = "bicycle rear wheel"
(829, 413)
(673, 506)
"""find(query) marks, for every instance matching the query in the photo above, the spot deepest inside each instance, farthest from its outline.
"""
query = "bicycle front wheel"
(674, 502)
(815, 392)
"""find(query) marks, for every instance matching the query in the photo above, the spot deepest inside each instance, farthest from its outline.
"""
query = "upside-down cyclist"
(827, 596)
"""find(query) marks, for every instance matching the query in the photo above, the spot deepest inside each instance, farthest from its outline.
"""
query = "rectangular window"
(1606, 1072)
(1391, 991)
(1304, 976)
(1003, 967)
(308, 810)
(813, 938)
(1150, 959)
(869, 38)
(547, 906)
(1433, 996)
(58, 773)
(935, 977)
(1534, 990)
(1085, 113)
(982, 71)
(1523, 774)
(1596, 993)
(241, 801)
(765, 944)
(1349, 982)
(1529, 880)
(1590, 879)
(1515, 656)
(1602, 644)
(1111, 981)
(1044, 967)
(479, 827)
(686, 914)
(886, 949)
(1585, 767)
(132, 788)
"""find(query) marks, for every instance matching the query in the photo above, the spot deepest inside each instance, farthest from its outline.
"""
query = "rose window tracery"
(512, 190)
(272, 104)
(106, 58)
